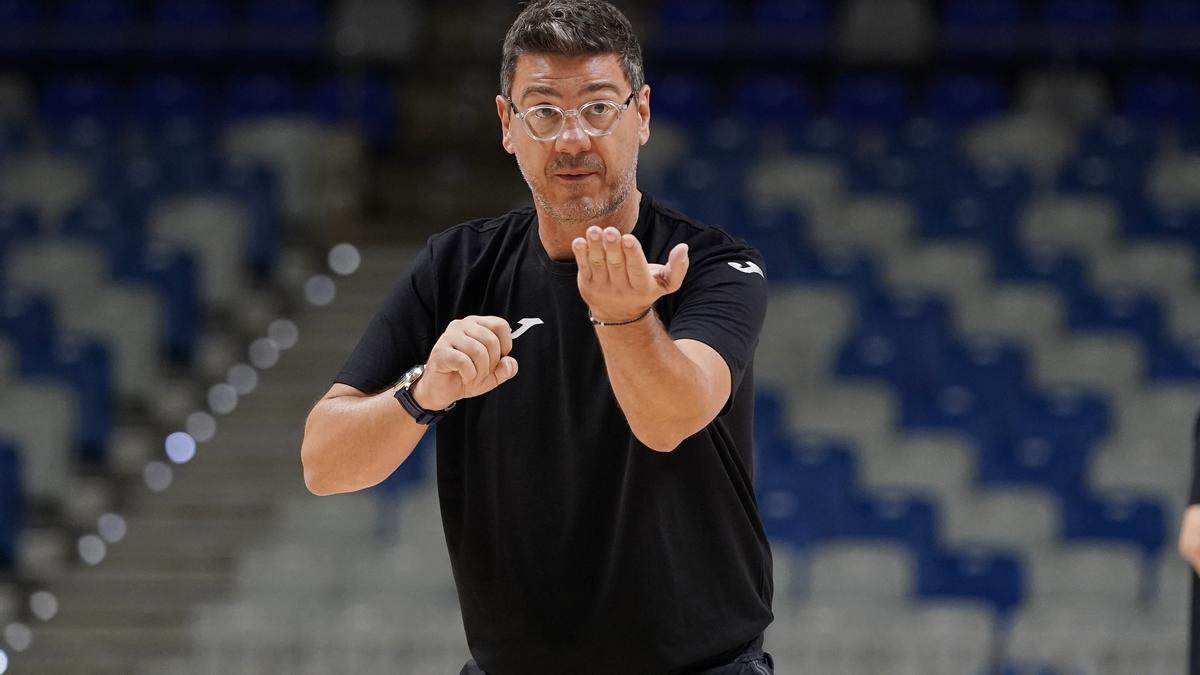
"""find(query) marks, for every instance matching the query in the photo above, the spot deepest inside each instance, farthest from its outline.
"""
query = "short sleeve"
(400, 335)
(722, 303)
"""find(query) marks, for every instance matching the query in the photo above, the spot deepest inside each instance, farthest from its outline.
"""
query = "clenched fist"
(469, 359)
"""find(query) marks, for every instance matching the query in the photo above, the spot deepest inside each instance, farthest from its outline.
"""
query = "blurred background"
(977, 381)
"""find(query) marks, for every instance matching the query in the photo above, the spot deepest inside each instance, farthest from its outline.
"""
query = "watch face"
(412, 375)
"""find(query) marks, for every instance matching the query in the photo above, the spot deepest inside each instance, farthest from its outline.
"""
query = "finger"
(676, 268)
(635, 262)
(505, 370)
(596, 261)
(501, 329)
(614, 256)
(460, 363)
(475, 351)
(579, 247)
(489, 340)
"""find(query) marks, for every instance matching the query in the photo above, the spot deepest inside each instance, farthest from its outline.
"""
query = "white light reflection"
(158, 476)
(243, 379)
(3, 662)
(44, 605)
(222, 398)
(112, 527)
(181, 447)
(201, 426)
(264, 353)
(283, 333)
(18, 636)
(92, 549)
(344, 259)
(319, 290)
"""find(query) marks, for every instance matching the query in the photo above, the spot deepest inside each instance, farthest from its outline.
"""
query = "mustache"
(589, 162)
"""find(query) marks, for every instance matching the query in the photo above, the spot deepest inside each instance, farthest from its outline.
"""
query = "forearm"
(661, 390)
(354, 442)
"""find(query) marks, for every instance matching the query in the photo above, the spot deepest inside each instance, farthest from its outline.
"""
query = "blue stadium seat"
(1117, 178)
(688, 14)
(64, 100)
(1172, 362)
(953, 407)
(1167, 28)
(870, 100)
(683, 100)
(251, 96)
(1085, 26)
(366, 102)
(1132, 519)
(1055, 463)
(19, 23)
(162, 99)
(120, 229)
(16, 224)
(95, 25)
(780, 237)
(772, 101)
(826, 137)
(770, 421)
(192, 13)
(975, 573)
(871, 355)
(1129, 311)
(1119, 139)
(12, 504)
(964, 100)
(981, 27)
(997, 372)
(28, 320)
(285, 13)
(895, 516)
(257, 188)
(792, 13)
(852, 269)
(1145, 219)
(802, 500)
(98, 13)
(1058, 268)
(1161, 99)
(1068, 417)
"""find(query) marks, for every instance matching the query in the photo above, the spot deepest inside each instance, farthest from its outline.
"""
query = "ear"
(643, 107)
(505, 114)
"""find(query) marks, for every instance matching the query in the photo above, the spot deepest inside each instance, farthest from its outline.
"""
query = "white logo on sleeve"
(748, 268)
(525, 324)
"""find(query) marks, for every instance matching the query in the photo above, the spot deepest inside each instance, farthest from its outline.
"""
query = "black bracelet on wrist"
(597, 322)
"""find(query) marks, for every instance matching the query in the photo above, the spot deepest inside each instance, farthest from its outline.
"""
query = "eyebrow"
(551, 91)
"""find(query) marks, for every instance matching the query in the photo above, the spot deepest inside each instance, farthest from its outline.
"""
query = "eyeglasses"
(597, 118)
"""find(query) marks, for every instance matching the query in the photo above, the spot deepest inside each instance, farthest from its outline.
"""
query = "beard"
(579, 208)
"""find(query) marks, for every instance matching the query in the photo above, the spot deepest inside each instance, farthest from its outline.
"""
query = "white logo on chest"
(525, 324)
(748, 267)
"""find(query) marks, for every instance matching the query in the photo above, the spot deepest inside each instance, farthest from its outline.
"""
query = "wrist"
(616, 319)
(421, 394)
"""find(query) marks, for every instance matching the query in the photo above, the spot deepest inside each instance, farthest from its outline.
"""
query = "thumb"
(676, 268)
(506, 370)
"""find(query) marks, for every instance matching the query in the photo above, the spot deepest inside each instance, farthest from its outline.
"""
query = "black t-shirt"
(575, 548)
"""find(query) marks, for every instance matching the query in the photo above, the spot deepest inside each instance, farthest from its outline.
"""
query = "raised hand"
(469, 359)
(614, 278)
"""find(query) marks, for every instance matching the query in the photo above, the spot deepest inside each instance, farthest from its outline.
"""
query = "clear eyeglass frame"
(577, 112)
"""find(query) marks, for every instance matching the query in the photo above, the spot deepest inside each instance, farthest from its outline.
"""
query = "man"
(594, 459)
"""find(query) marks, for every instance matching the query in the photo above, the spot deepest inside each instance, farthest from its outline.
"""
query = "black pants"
(752, 661)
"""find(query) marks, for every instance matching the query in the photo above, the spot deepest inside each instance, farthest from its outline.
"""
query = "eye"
(600, 109)
(543, 113)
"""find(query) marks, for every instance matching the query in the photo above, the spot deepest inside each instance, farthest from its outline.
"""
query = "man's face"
(575, 177)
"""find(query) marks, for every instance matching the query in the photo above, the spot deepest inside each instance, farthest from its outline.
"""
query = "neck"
(557, 235)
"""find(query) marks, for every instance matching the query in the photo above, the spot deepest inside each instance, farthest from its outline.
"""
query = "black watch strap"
(405, 395)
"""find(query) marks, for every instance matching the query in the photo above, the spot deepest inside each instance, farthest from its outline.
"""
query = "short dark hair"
(571, 28)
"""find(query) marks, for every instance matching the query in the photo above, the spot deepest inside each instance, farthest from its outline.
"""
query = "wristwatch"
(404, 395)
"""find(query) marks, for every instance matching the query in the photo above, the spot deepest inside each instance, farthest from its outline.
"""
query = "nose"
(573, 138)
